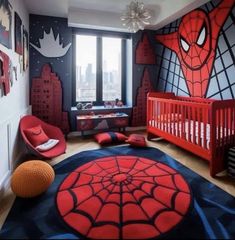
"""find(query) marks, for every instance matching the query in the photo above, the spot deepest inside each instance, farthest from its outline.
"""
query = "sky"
(86, 52)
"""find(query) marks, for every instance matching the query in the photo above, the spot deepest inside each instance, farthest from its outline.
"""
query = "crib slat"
(151, 113)
(154, 106)
(194, 125)
(229, 116)
(233, 126)
(188, 121)
(223, 126)
(162, 116)
(174, 123)
(232, 123)
(220, 132)
(183, 122)
(218, 128)
(177, 110)
(157, 108)
(204, 121)
(162, 112)
(199, 126)
(226, 126)
(169, 116)
(155, 114)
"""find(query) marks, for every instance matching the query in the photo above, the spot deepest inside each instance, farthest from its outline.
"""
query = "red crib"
(204, 127)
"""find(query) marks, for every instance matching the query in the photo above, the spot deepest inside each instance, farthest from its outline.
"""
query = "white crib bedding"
(186, 129)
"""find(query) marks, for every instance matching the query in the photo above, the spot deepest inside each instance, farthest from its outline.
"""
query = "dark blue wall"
(138, 69)
(62, 66)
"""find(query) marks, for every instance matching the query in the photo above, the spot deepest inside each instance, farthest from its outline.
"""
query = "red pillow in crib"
(169, 117)
(136, 140)
(36, 135)
(110, 137)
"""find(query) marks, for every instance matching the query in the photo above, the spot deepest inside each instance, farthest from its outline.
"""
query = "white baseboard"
(6, 180)
(5, 184)
(13, 153)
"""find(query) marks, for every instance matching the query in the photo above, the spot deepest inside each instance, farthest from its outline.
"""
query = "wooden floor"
(76, 144)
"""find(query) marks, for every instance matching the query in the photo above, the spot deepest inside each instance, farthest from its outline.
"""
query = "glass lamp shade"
(135, 17)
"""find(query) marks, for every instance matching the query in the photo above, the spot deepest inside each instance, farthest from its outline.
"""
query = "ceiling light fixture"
(135, 17)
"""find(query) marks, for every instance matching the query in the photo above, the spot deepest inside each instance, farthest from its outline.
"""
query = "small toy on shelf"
(81, 106)
(109, 104)
(119, 103)
(88, 105)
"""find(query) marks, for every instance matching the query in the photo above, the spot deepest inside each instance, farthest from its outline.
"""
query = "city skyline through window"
(85, 68)
(106, 54)
(111, 68)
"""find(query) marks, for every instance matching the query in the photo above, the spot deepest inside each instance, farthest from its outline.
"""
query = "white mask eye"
(184, 44)
(202, 36)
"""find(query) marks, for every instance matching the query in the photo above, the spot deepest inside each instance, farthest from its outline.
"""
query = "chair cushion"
(36, 135)
(136, 140)
(47, 145)
(110, 137)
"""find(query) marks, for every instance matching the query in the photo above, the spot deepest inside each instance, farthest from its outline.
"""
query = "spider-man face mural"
(195, 44)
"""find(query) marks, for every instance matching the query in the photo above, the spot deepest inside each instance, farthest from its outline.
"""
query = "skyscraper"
(46, 99)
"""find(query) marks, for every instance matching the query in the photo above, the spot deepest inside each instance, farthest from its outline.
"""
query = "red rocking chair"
(51, 131)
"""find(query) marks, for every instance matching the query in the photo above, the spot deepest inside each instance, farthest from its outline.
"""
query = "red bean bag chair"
(49, 131)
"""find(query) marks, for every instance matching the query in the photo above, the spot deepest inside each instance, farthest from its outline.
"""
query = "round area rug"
(123, 197)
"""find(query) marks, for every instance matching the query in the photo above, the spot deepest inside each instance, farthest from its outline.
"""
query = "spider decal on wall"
(195, 44)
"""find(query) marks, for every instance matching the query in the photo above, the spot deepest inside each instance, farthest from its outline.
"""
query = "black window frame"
(99, 81)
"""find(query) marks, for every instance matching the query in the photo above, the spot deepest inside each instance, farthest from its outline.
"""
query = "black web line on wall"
(218, 84)
(211, 96)
(224, 70)
(167, 75)
(173, 77)
(165, 69)
(221, 71)
(219, 57)
(159, 72)
(178, 83)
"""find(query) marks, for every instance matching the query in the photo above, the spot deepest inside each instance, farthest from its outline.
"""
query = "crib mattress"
(186, 130)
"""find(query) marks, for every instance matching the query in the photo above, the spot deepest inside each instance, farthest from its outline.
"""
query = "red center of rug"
(120, 177)
(123, 197)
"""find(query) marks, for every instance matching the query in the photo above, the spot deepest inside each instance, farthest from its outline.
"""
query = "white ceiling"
(105, 14)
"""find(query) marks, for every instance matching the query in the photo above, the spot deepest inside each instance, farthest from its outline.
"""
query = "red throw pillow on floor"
(110, 137)
(36, 135)
(136, 140)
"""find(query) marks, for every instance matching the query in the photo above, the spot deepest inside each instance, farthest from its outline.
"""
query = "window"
(112, 70)
(86, 68)
(100, 69)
